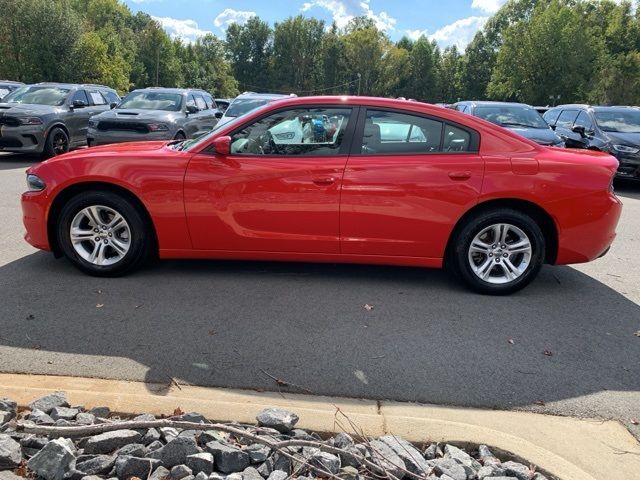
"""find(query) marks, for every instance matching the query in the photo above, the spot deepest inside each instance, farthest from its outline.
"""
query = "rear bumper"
(34, 218)
(588, 228)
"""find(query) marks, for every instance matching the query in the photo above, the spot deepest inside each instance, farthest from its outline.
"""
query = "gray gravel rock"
(168, 433)
(133, 450)
(84, 418)
(180, 471)
(100, 412)
(91, 477)
(515, 469)
(384, 456)
(145, 417)
(278, 419)
(490, 471)
(462, 457)
(8, 475)
(160, 473)
(257, 453)
(150, 436)
(194, 417)
(109, 441)
(63, 413)
(153, 446)
(342, 440)
(448, 466)
(201, 476)
(250, 473)
(10, 452)
(176, 451)
(411, 456)
(6, 417)
(49, 402)
(279, 475)
(127, 467)
(228, 459)
(96, 465)
(54, 460)
(212, 436)
(7, 405)
(200, 462)
(40, 418)
(486, 457)
(326, 461)
(350, 459)
(33, 441)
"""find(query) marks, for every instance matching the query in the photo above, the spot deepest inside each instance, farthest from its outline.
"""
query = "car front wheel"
(498, 252)
(103, 234)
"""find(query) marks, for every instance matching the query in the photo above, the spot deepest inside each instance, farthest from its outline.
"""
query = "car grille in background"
(9, 121)
(123, 126)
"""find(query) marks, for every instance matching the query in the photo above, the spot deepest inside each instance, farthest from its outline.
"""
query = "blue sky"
(449, 22)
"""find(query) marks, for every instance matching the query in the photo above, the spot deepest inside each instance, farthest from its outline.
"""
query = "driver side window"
(300, 132)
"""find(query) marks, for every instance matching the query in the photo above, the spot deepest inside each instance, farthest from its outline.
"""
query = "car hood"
(543, 136)
(136, 115)
(26, 109)
(618, 138)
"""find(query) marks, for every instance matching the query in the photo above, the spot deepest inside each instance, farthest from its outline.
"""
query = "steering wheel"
(253, 146)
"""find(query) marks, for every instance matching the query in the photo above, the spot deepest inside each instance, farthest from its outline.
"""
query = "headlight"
(35, 183)
(625, 149)
(30, 121)
(158, 127)
(93, 124)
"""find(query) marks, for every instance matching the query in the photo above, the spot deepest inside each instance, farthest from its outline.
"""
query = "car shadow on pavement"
(238, 324)
(627, 188)
(11, 162)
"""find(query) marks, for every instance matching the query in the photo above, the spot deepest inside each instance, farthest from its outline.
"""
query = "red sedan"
(332, 179)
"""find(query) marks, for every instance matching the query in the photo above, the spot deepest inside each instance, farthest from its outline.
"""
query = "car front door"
(277, 190)
(206, 116)
(77, 120)
(409, 178)
(564, 124)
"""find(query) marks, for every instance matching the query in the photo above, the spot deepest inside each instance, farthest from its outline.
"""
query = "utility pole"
(359, 78)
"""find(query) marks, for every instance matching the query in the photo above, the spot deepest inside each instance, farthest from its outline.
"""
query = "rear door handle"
(466, 175)
(324, 181)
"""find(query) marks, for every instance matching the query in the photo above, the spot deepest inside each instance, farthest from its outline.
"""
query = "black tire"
(459, 260)
(57, 143)
(180, 136)
(140, 238)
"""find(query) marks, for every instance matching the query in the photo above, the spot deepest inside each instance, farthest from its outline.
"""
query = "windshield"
(511, 116)
(243, 105)
(621, 121)
(38, 95)
(169, 102)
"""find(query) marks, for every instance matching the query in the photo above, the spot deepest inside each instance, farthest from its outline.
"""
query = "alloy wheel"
(60, 143)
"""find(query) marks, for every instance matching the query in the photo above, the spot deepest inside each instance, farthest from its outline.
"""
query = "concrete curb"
(569, 448)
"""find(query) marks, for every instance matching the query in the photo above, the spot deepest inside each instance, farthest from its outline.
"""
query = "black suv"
(615, 130)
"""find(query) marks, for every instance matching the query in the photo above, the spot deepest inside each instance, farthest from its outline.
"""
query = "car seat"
(371, 140)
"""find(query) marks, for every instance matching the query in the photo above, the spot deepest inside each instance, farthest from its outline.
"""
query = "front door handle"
(465, 175)
(324, 181)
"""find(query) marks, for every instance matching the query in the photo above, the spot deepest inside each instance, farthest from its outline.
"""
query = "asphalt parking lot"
(244, 324)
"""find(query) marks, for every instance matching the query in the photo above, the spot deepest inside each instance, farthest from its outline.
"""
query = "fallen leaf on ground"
(635, 421)
(178, 411)
(368, 307)
(540, 403)
(548, 353)
(637, 334)
(511, 341)
(100, 305)
(212, 332)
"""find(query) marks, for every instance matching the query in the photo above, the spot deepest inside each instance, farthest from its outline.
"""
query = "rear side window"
(97, 98)
(191, 101)
(566, 118)
(111, 97)
(456, 139)
(209, 99)
(392, 132)
(550, 116)
(584, 120)
(80, 95)
(200, 103)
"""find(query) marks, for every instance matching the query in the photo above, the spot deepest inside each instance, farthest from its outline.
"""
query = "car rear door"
(77, 120)
(409, 178)
(278, 189)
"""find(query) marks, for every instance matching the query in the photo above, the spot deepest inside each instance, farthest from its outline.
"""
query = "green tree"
(364, 48)
(249, 48)
(424, 60)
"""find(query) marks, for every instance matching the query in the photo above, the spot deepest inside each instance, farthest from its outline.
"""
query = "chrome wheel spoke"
(79, 235)
(484, 270)
(115, 222)
(479, 246)
(119, 246)
(97, 255)
(93, 215)
(521, 247)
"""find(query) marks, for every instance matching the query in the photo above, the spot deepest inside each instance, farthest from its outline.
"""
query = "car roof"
(487, 103)
(11, 82)
(268, 96)
(181, 91)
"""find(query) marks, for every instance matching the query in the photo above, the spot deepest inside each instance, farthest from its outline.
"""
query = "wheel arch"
(535, 211)
(72, 190)
(60, 125)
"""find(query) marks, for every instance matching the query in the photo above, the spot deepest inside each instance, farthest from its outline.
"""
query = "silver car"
(8, 86)
(248, 101)
(50, 118)
(155, 114)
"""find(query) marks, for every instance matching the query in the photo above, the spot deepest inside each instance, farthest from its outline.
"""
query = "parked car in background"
(155, 114)
(223, 103)
(615, 130)
(522, 119)
(50, 118)
(542, 110)
(373, 180)
(8, 86)
(249, 101)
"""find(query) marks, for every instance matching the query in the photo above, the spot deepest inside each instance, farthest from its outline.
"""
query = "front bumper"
(97, 137)
(22, 139)
(629, 166)
(34, 218)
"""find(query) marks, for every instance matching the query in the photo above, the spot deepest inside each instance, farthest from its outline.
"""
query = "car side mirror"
(113, 105)
(579, 129)
(222, 145)
(218, 114)
(79, 104)
(192, 109)
(553, 127)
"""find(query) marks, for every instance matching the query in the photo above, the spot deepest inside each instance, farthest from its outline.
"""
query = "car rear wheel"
(57, 143)
(103, 234)
(498, 252)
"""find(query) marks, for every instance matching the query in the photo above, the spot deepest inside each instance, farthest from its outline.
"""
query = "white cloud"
(343, 11)
(229, 16)
(458, 33)
(416, 34)
(488, 6)
(186, 30)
